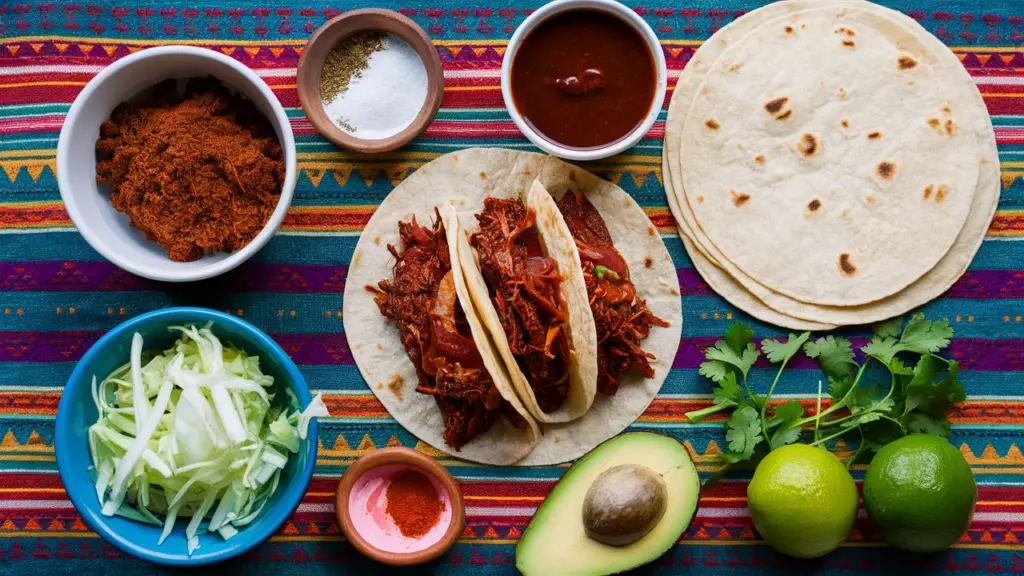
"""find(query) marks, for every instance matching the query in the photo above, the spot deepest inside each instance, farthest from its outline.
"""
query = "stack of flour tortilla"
(829, 162)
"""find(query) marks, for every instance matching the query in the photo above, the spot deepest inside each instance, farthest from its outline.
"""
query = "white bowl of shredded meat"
(176, 163)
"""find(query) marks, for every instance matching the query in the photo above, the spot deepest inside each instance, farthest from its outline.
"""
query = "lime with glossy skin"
(803, 501)
(920, 492)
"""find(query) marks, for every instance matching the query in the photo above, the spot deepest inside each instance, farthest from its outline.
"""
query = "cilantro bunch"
(901, 386)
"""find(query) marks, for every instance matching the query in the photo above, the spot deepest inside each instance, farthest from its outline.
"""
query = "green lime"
(803, 501)
(920, 492)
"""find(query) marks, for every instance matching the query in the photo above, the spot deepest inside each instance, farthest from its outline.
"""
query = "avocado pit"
(624, 503)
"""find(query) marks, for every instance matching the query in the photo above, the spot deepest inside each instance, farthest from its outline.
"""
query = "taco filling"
(524, 286)
(622, 319)
(421, 299)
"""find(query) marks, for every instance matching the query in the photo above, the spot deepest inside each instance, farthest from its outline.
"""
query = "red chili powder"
(413, 503)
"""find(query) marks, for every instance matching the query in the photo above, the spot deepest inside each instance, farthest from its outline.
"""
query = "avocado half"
(555, 542)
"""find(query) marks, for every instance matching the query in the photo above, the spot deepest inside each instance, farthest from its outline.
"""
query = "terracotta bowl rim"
(403, 457)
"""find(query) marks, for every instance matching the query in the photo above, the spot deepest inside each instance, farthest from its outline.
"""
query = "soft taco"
(467, 179)
(435, 328)
(622, 319)
(528, 288)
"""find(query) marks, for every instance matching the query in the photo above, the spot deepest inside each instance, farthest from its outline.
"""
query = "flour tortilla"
(465, 178)
(776, 308)
(377, 347)
(581, 333)
(855, 218)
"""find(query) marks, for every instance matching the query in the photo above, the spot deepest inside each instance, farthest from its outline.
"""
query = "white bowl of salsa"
(584, 79)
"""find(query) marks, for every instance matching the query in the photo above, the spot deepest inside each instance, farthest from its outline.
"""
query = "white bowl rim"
(631, 18)
(215, 268)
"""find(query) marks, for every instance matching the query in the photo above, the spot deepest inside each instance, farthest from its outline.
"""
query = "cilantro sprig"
(917, 390)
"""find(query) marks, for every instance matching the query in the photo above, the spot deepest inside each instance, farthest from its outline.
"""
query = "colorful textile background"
(57, 295)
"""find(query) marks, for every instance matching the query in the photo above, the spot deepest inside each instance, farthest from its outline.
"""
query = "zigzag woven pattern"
(57, 296)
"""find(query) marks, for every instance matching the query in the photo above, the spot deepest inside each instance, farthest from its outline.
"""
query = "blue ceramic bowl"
(77, 412)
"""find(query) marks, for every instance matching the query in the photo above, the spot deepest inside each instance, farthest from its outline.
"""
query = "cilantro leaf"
(924, 424)
(920, 337)
(728, 390)
(925, 336)
(777, 351)
(786, 436)
(834, 355)
(714, 370)
(888, 329)
(786, 413)
(862, 418)
(837, 389)
(740, 358)
(930, 397)
(738, 335)
(743, 432)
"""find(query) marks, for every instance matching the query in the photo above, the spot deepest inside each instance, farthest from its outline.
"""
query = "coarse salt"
(386, 97)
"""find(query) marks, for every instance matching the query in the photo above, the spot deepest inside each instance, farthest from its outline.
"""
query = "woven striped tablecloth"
(57, 295)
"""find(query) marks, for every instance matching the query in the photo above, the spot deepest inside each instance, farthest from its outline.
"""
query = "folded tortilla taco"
(622, 319)
(433, 327)
(528, 288)
(492, 183)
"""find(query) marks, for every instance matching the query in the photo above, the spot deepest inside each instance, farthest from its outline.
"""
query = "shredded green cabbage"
(192, 432)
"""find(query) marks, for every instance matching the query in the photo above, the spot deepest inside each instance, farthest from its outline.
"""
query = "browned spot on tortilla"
(808, 145)
(906, 62)
(651, 231)
(933, 122)
(842, 93)
(674, 292)
(376, 240)
(712, 124)
(814, 205)
(946, 109)
(704, 89)
(874, 135)
(845, 123)
(849, 43)
(789, 29)
(802, 26)
(380, 386)
(928, 191)
(950, 127)
(846, 267)
(648, 262)
(739, 147)
(870, 199)
(774, 106)
(941, 193)
(736, 67)
(395, 385)
(700, 199)
(784, 115)
(885, 169)
(844, 30)
(483, 175)
(759, 159)
(739, 198)
(356, 258)
(557, 439)
(526, 171)
(455, 158)
(846, 213)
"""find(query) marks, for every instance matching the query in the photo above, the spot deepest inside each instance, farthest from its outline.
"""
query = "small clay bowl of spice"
(370, 80)
(399, 507)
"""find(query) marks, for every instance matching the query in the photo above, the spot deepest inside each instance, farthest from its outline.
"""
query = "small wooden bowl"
(337, 29)
(401, 457)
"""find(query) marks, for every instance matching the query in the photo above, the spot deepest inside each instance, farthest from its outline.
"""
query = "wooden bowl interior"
(413, 459)
(327, 37)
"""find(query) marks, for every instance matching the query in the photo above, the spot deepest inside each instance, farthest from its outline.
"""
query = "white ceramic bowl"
(88, 204)
(627, 15)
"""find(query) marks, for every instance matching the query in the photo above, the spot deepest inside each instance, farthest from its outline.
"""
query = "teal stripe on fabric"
(346, 379)
(337, 250)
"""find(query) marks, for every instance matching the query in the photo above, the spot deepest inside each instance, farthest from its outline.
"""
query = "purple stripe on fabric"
(989, 284)
(103, 277)
(691, 283)
(333, 349)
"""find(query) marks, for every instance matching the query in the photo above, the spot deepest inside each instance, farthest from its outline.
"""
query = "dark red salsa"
(621, 318)
(524, 289)
(421, 299)
(583, 78)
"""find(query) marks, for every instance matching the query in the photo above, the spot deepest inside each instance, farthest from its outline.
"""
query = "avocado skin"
(556, 543)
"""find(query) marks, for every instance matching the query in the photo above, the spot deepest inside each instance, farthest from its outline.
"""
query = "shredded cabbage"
(192, 432)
